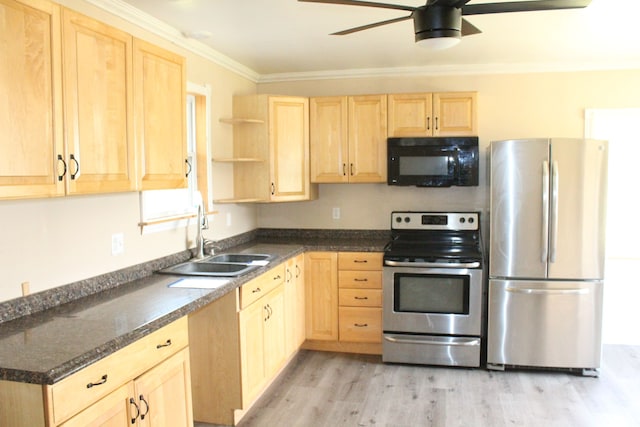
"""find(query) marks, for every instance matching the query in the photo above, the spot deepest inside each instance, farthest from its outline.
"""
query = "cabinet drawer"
(97, 380)
(361, 324)
(360, 297)
(360, 279)
(360, 261)
(261, 285)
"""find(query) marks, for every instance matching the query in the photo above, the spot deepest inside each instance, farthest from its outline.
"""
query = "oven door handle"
(474, 264)
(457, 341)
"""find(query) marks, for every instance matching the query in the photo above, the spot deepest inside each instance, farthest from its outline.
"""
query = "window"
(168, 209)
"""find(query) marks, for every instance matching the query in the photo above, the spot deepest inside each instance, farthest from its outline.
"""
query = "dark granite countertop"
(49, 345)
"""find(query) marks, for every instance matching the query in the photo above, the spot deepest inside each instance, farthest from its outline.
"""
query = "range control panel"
(435, 220)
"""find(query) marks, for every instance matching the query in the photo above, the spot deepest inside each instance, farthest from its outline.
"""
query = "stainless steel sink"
(223, 265)
(239, 258)
(226, 269)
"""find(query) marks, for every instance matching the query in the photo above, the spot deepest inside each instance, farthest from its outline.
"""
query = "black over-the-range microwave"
(433, 161)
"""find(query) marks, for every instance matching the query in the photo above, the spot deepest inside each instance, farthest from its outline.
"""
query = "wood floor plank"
(333, 389)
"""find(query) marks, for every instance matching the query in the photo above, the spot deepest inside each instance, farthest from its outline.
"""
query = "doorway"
(622, 263)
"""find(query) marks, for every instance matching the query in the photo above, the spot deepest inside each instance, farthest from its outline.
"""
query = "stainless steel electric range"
(433, 289)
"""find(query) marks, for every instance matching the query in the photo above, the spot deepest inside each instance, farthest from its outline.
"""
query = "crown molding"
(450, 70)
(136, 16)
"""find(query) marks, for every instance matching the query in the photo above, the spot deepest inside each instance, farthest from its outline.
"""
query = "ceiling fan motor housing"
(437, 21)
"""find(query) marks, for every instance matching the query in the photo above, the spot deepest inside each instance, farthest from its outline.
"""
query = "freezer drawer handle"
(458, 342)
(531, 291)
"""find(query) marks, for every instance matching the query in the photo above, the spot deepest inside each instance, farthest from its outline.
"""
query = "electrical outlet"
(336, 213)
(117, 244)
(228, 219)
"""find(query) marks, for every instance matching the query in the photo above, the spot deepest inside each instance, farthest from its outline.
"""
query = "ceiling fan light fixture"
(438, 43)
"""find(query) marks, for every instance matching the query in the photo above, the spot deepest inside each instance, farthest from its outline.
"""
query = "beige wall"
(52, 242)
(509, 106)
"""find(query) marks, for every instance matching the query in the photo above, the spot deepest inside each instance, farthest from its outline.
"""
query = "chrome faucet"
(203, 224)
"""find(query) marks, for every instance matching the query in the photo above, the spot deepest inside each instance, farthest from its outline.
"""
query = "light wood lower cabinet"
(239, 346)
(150, 377)
(158, 398)
(344, 301)
(294, 303)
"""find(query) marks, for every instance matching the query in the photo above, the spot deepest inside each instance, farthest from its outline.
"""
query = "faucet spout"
(202, 225)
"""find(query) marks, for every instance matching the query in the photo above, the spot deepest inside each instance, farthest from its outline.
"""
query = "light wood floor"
(333, 389)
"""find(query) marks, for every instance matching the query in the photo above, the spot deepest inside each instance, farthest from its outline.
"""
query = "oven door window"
(432, 293)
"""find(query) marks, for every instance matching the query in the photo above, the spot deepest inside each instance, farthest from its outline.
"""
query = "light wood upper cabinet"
(329, 139)
(100, 150)
(433, 114)
(31, 132)
(271, 149)
(348, 139)
(159, 117)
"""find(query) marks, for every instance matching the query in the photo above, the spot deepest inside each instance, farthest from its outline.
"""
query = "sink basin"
(210, 269)
(224, 265)
(240, 258)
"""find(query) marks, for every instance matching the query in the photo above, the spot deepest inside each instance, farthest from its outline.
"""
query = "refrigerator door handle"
(555, 179)
(545, 211)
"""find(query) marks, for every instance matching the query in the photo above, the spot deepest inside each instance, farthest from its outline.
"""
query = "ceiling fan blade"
(523, 6)
(375, 24)
(363, 3)
(468, 28)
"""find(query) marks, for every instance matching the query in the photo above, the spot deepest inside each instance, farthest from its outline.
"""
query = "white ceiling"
(290, 38)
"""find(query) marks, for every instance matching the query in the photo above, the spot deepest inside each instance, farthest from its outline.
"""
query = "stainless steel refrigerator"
(546, 262)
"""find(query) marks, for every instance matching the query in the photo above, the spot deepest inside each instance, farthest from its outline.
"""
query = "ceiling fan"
(439, 23)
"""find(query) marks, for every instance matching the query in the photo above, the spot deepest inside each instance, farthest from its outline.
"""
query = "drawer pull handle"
(166, 344)
(360, 325)
(146, 404)
(102, 381)
(360, 280)
(277, 277)
(361, 297)
(133, 402)
(256, 290)
(360, 261)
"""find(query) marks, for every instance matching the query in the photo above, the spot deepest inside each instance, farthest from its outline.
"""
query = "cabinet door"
(328, 134)
(114, 410)
(367, 138)
(321, 295)
(289, 148)
(251, 324)
(31, 94)
(164, 393)
(299, 328)
(98, 106)
(274, 332)
(159, 117)
(410, 114)
(454, 114)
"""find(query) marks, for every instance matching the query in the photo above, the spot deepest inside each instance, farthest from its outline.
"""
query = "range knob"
(462, 220)
(471, 220)
(398, 219)
(407, 219)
